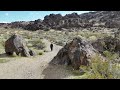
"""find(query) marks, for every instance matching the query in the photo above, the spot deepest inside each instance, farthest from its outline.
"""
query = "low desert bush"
(37, 43)
(40, 53)
(100, 69)
(3, 60)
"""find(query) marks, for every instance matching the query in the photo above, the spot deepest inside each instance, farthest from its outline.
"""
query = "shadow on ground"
(3, 55)
(55, 72)
(3, 58)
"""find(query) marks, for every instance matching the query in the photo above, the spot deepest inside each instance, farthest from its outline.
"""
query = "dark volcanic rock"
(52, 20)
(4, 25)
(36, 25)
(68, 21)
(76, 53)
(32, 53)
(79, 51)
(19, 24)
(73, 15)
(112, 24)
(18, 45)
(107, 19)
(107, 43)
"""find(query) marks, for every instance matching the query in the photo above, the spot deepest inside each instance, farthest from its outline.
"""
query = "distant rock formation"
(18, 45)
(20, 24)
(108, 19)
(36, 25)
(68, 21)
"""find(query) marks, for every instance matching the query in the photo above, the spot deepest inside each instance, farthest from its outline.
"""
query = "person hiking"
(51, 46)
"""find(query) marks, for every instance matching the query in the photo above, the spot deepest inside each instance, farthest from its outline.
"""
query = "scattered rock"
(32, 53)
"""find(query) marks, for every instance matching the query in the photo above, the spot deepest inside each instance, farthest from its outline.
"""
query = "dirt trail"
(34, 67)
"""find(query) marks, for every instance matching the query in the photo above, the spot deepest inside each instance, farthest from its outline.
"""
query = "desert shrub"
(29, 44)
(27, 35)
(61, 43)
(37, 43)
(88, 34)
(3, 60)
(92, 38)
(79, 36)
(110, 55)
(39, 46)
(45, 51)
(47, 29)
(104, 69)
(76, 73)
(107, 54)
(7, 36)
(2, 43)
(99, 69)
(40, 53)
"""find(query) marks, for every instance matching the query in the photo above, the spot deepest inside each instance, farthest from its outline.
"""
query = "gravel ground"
(34, 67)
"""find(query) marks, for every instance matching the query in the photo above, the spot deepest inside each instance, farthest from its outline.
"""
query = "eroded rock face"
(52, 20)
(108, 43)
(112, 24)
(36, 25)
(76, 53)
(18, 45)
(19, 24)
(57, 21)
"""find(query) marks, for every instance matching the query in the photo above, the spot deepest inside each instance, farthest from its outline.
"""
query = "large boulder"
(18, 45)
(77, 52)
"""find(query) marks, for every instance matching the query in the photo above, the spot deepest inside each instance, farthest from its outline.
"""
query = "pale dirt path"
(34, 67)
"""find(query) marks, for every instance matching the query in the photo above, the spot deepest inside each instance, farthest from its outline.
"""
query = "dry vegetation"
(62, 37)
(33, 41)
(97, 69)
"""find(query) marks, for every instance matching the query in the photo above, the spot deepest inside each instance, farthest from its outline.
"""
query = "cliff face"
(109, 19)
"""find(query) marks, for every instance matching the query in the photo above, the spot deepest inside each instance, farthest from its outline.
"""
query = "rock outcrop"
(80, 52)
(52, 20)
(111, 44)
(18, 24)
(77, 52)
(18, 45)
(107, 19)
(36, 25)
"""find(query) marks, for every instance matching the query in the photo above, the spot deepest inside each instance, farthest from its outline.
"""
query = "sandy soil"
(37, 67)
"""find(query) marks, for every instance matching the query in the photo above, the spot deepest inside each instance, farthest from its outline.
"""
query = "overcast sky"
(11, 16)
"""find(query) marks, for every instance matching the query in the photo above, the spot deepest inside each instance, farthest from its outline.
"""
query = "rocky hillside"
(108, 19)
